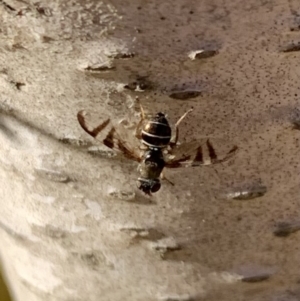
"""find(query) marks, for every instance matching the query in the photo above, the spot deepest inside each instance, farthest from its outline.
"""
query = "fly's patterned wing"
(119, 141)
(196, 153)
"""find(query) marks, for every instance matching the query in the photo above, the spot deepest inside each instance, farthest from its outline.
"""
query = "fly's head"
(148, 186)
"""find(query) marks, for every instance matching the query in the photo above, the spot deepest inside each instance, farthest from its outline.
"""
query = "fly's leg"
(138, 131)
(163, 177)
(174, 141)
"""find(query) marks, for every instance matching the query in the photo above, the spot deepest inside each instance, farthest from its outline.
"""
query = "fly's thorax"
(157, 132)
(152, 164)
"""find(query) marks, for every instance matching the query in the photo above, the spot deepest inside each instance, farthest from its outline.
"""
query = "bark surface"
(73, 225)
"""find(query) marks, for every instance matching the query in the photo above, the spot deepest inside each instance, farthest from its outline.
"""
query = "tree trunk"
(73, 224)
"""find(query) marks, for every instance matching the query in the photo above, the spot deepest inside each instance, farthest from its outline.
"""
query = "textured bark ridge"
(73, 225)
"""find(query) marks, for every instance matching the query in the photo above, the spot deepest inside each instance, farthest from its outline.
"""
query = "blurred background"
(74, 225)
(4, 295)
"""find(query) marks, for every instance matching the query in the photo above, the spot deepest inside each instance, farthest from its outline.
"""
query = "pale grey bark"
(73, 226)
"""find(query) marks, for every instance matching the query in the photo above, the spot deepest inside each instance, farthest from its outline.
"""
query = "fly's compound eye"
(145, 186)
(155, 187)
(148, 186)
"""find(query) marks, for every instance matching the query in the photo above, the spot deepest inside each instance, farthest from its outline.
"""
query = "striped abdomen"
(157, 132)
